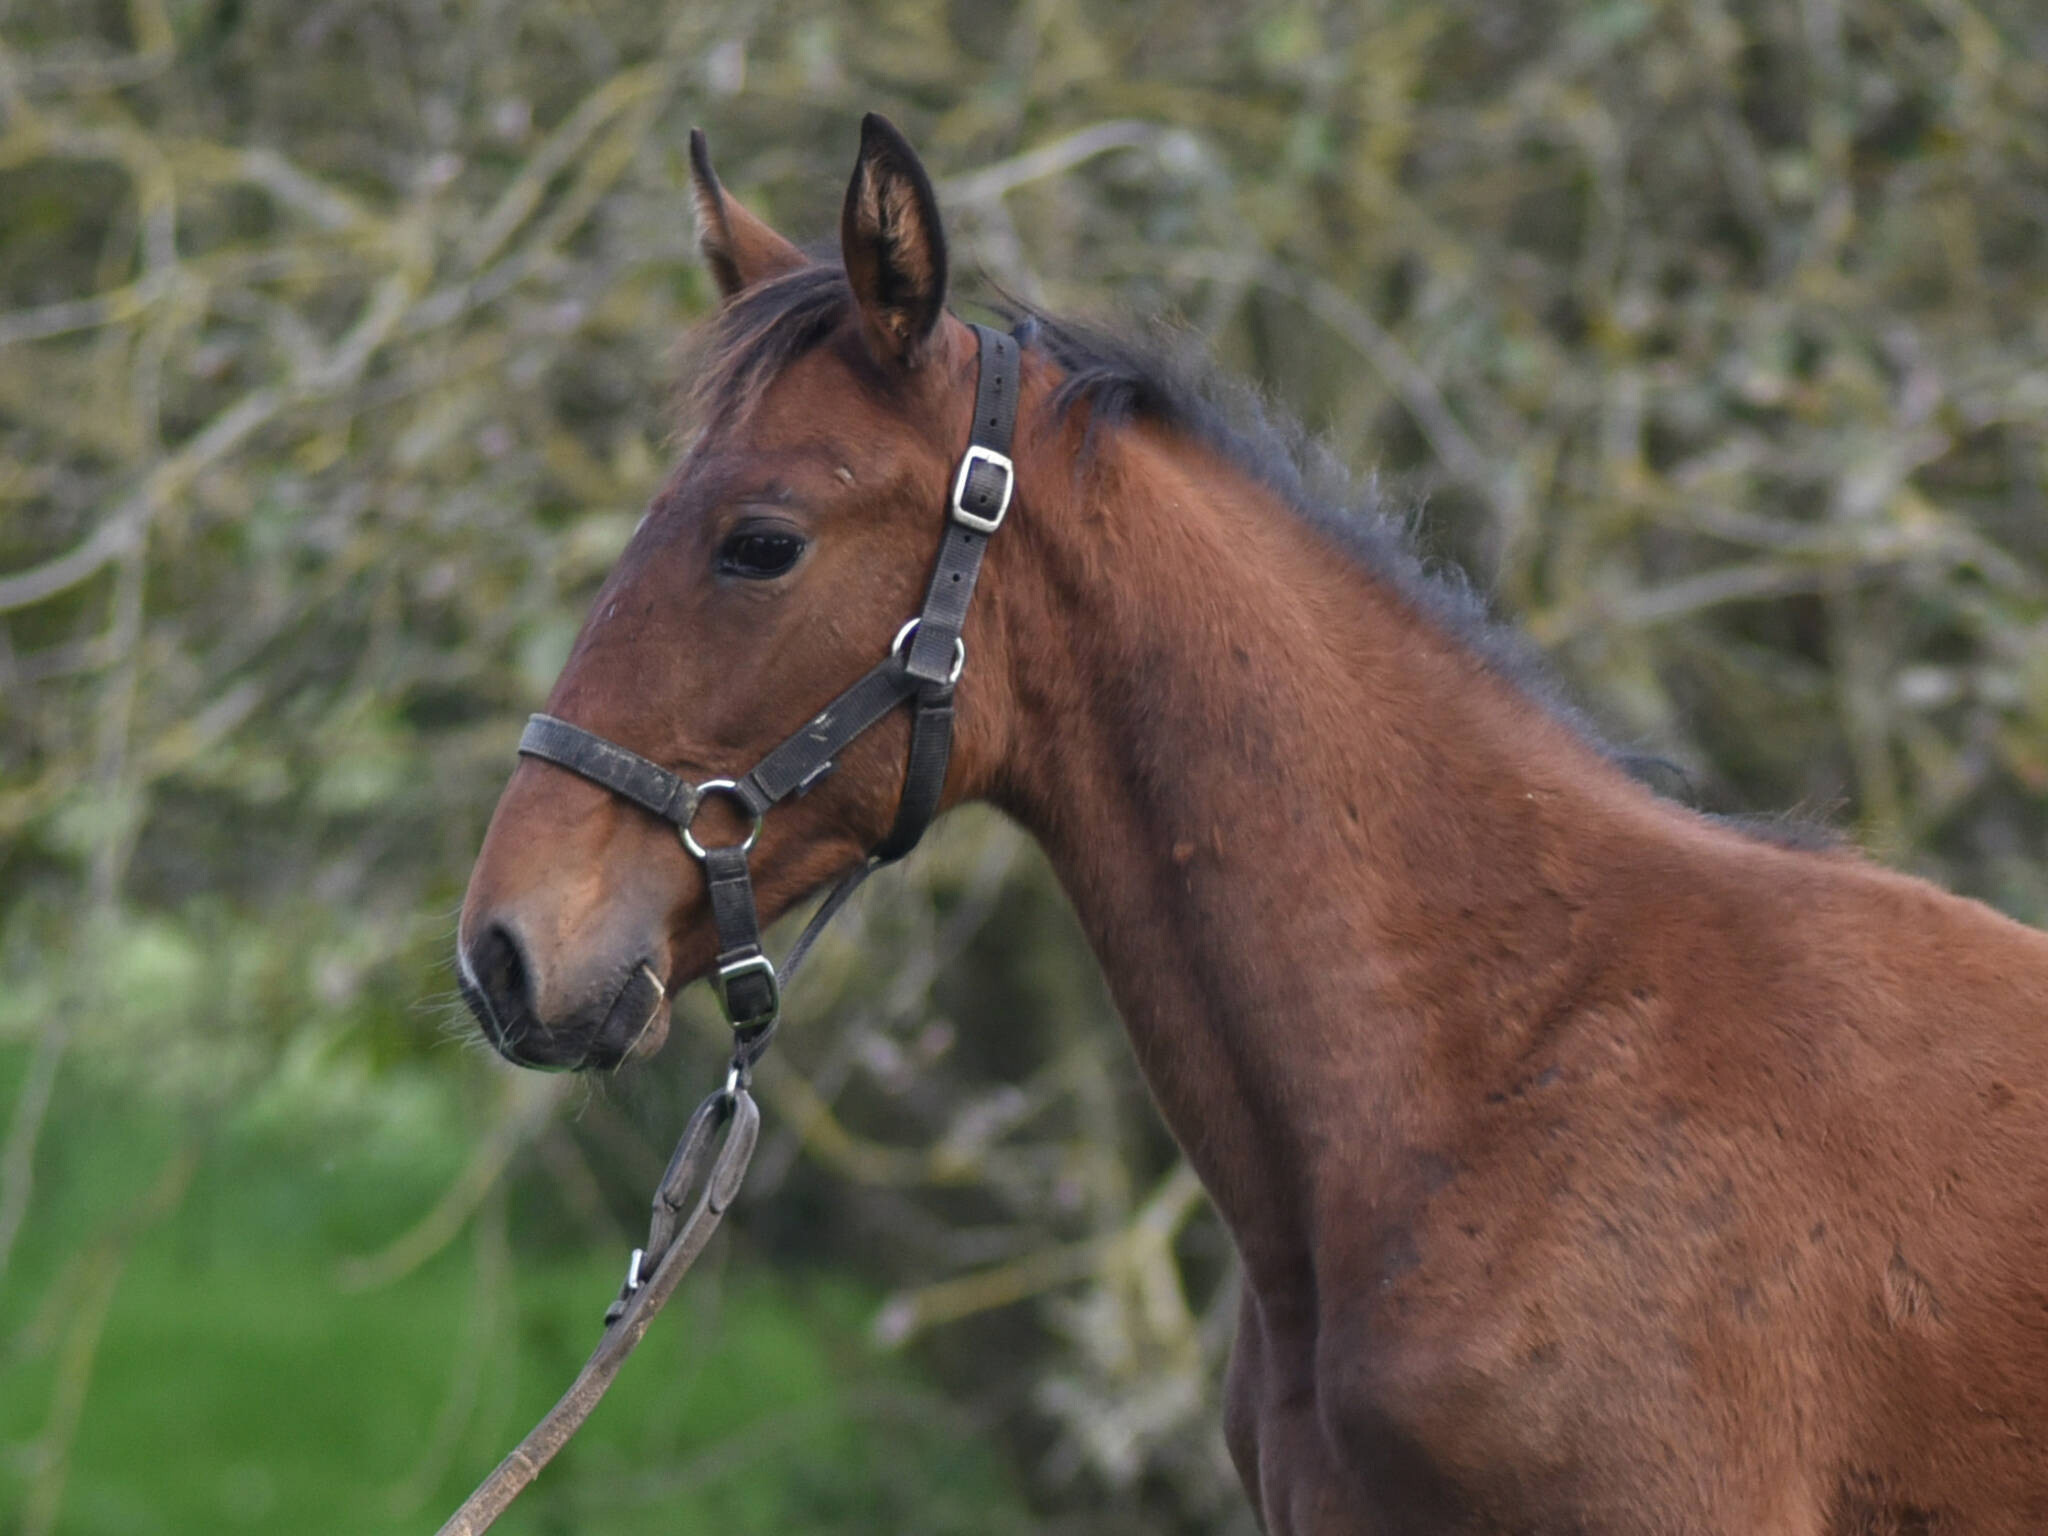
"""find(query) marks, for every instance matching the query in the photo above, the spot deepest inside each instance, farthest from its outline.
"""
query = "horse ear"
(894, 249)
(740, 250)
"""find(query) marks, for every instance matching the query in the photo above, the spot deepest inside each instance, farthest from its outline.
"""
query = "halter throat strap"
(922, 670)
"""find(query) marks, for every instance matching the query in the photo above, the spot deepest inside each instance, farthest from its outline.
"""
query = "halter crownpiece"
(922, 668)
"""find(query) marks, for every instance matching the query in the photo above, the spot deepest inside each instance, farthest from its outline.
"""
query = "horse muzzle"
(619, 1011)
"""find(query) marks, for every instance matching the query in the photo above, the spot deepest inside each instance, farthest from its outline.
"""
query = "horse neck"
(1323, 853)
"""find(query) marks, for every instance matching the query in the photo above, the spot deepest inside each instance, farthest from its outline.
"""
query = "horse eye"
(759, 554)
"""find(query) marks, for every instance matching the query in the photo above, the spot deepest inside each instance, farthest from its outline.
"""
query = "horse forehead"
(793, 461)
(818, 422)
(836, 404)
(714, 475)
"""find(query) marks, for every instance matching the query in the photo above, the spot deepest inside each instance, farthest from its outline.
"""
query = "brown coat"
(1596, 1168)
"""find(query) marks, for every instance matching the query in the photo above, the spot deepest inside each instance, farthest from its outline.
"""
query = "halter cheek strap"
(922, 669)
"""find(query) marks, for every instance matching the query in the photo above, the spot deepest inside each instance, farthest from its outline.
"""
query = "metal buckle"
(705, 791)
(634, 1280)
(1001, 461)
(900, 646)
(750, 964)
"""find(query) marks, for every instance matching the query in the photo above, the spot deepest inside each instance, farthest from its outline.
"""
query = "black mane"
(1162, 378)
(759, 333)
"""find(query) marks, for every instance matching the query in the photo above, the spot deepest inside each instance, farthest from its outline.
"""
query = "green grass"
(238, 1386)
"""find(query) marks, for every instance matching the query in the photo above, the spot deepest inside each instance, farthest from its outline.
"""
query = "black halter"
(922, 668)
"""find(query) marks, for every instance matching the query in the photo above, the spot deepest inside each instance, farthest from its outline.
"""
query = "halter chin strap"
(922, 669)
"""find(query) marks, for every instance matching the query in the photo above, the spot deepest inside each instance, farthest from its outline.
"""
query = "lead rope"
(923, 666)
(732, 1110)
(673, 1241)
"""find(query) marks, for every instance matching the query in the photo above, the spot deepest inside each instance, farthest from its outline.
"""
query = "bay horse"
(1595, 1166)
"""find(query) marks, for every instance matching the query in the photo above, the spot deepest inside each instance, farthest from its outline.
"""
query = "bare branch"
(25, 1128)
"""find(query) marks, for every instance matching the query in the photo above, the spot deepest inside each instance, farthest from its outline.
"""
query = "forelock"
(757, 335)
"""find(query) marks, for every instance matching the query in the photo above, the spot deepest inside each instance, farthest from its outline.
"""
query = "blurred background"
(336, 347)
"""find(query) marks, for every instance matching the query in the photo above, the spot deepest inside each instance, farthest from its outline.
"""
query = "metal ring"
(704, 792)
(902, 641)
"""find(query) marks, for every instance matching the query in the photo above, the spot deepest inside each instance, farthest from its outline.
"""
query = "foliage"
(238, 1386)
(335, 346)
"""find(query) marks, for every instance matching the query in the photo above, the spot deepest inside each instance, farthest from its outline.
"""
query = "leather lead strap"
(656, 1272)
(745, 980)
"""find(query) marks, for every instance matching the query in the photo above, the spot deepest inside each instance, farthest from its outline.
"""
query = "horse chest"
(1386, 1440)
(1444, 1383)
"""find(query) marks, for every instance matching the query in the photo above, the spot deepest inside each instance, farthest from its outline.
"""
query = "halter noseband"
(922, 668)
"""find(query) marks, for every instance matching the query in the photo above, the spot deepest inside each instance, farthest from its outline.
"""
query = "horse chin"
(639, 1016)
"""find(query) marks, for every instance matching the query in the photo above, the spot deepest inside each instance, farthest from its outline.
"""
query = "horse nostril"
(497, 964)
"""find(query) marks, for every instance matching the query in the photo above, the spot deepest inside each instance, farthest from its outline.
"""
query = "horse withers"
(1595, 1166)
